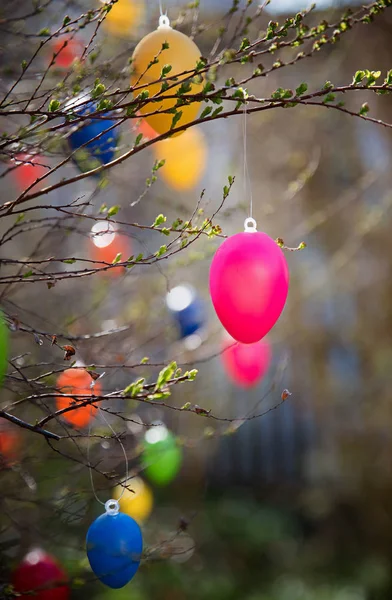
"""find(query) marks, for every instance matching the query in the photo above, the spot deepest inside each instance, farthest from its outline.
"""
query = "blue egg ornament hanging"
(187, 309)
(93, 141)
(114, 546)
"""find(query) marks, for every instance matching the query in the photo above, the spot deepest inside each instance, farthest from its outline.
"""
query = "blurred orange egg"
(185, 158)
(166, 46)
(78, 382)
(123, 17)
(105, 244)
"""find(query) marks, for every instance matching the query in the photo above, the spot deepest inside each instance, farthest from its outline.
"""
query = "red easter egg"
(9, 444)
(40, 577)
(105, 244)
(66, 53)
(249, 281)
(245, 364)
(29, 168)
(76, 381)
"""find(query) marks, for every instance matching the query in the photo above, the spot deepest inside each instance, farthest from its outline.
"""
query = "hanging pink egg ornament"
(249, 282)
(245, 364)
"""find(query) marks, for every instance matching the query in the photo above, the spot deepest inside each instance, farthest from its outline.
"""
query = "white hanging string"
(247, 183)
(101, 414)
(250, 225)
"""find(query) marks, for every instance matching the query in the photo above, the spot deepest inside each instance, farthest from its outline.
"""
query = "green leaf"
(117, 258)
(66, 20)
(176, 118)
(104, 104)
(159, 220)
(191, 375)
(44, 32)
(98, 90)
(358, 77)
(202, 62)
(134, 388)
(69, 261)
(205, 112)
(161, 251)
(364, 109)
(139, 138)
(217, 111)
(159, 395)
(184, 88)
(301, 89)
(28, 274)
(113, 210)
(165, 375)
(165, 70)
(209, 87)
(329, 98)
(244, 44)
(158, 165)
(144, 360)
(388, 79)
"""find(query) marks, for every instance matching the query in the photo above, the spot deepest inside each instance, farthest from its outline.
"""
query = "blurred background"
(295, 504)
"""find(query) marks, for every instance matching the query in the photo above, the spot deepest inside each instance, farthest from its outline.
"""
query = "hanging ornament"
(124, 16)
(91, 153)
(106, 243)
(67, 50)
(249, 280)
(3, 347)
(30, 167)
(182, 55)
(78, 382)
(147, 131)
(137, 501)
(187, 309)
(10, 443)
(185, 158)
(245, 364)
(114, 546)
(39, 576)
(162, 457)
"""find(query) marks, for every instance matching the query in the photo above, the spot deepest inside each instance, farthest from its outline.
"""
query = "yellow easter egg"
(183, 55)
(137, 503)
(185, 158)
(124, 16)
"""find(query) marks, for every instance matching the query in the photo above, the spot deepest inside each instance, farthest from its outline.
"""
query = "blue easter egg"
(96, 152)
(191, 318)
(187, 309)
(114, 546)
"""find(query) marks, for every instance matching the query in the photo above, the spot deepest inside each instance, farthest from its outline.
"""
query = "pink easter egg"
(245, 364)
(249, 281)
